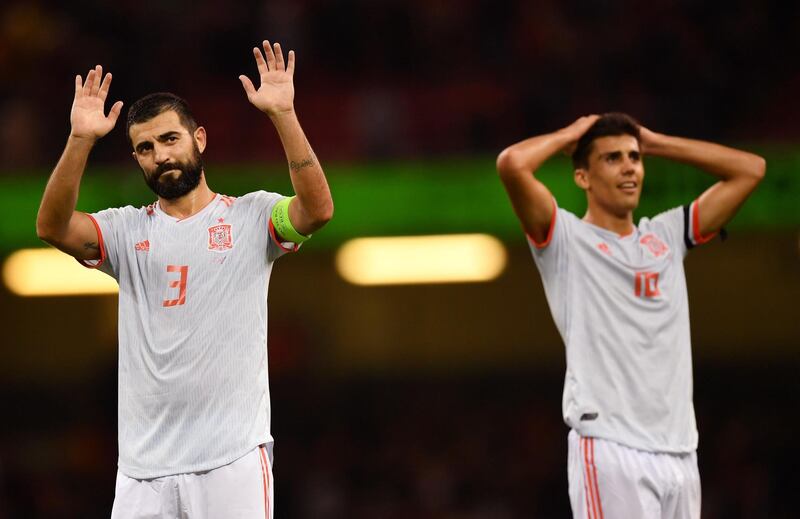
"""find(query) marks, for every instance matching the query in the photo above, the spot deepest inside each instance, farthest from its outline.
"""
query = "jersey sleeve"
(262, 204)
(551, 256)
(556, 236)
(681, 226)
(112, 226)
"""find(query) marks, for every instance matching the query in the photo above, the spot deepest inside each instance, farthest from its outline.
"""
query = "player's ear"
(581, 177)
(200, 138)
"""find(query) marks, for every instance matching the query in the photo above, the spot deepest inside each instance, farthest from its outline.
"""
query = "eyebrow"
(160, 138)
(167, 135)
(618, 153)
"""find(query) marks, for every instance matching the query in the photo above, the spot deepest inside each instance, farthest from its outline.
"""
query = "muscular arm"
(312, 207)
(739, 173)
(517, 164)
(57, 222)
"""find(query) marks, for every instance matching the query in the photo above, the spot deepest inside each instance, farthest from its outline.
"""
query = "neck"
(189, 204)
(621, 224)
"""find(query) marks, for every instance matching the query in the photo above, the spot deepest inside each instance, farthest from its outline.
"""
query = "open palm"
(276, 93)
(88, 117)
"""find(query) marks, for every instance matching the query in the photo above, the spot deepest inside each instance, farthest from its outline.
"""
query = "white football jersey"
(621, 306)
(193, 384)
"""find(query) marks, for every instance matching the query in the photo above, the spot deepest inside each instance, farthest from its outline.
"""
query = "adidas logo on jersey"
(143, 246)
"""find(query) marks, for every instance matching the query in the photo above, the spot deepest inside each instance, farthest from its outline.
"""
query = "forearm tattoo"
(306, 163)
(91, 245)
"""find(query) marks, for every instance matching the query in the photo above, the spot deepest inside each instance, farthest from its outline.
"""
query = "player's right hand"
(87, 116)
(576, 130)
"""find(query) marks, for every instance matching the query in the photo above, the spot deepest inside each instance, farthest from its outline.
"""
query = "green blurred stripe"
(412, 197)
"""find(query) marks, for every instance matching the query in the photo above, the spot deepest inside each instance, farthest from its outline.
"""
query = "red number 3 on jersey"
(180, 284)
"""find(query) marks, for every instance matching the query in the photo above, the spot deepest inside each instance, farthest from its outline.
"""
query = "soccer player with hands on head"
(193, 269)
(617, 293)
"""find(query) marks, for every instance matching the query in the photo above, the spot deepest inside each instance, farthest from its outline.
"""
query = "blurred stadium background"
(434, 400)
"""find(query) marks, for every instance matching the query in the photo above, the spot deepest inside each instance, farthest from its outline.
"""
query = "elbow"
(759, 168)
(49, 233)
(323, 215)
(48, 237)
(754, 171)
(44, 232)
(327, 216)
(508, 163)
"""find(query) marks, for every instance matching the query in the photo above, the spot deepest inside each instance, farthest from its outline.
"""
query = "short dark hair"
(152, 105)
(610, 124)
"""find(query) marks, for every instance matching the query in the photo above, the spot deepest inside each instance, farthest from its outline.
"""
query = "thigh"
(684, 502)
(240, 490)
(607, 482)
(145, 498)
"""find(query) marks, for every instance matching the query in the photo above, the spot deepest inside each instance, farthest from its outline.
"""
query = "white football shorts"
(608, 480)
(240, 490)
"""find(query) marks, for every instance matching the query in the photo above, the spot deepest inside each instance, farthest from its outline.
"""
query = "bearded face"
(169, 154)
(174, 179)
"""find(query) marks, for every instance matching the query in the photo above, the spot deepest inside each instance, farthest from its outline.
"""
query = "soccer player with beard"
(617, 293)
(193, 270)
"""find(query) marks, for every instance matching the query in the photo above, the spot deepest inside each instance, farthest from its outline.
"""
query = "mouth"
(168, 173)
(629, 187)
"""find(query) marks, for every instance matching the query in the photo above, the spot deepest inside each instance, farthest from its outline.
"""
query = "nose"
(160, 154)
(628, 166)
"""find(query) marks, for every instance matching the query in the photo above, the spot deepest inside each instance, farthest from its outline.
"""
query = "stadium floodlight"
(452, 258)
(50, 272)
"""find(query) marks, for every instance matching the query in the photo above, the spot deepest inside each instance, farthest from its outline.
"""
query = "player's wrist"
(78, 139)
(565, 139)
(280, 115)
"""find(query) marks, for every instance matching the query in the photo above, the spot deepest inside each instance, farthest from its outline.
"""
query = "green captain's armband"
(283, 226)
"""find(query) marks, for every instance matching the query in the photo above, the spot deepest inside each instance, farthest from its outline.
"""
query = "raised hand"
(648, 140)
(88, 117)
(276, 93)
(576, 130)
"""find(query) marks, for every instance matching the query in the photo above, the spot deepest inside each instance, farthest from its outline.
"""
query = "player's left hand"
(275, 96)
(647, 139)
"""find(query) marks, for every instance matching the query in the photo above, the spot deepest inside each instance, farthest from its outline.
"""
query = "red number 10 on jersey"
(646, 284)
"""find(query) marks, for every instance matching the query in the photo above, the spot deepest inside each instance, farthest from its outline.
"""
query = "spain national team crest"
(219, 237)
(653, 244)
